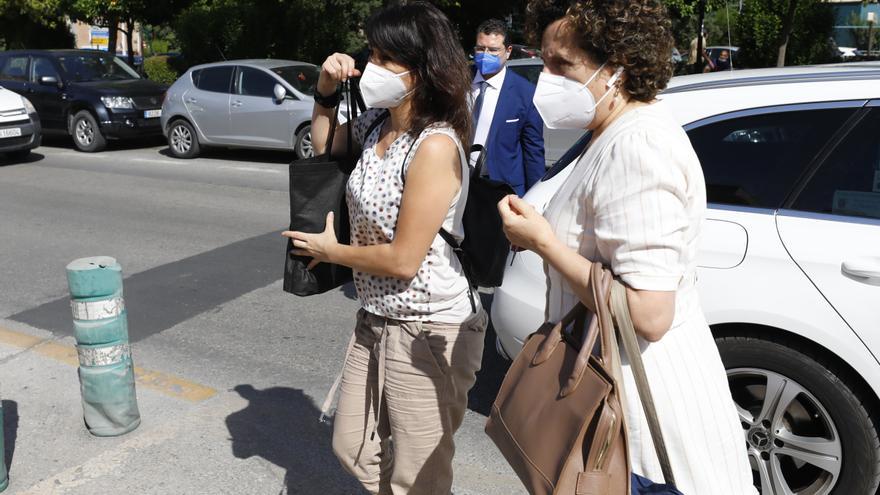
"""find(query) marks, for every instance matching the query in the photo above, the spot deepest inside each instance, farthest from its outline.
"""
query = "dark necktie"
(478, 105)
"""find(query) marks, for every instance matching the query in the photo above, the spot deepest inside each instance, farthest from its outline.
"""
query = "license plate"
(8, 133)
(152, 114)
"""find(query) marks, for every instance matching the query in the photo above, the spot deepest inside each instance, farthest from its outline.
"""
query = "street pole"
(100, 327)
(871, 20)
(701, 17)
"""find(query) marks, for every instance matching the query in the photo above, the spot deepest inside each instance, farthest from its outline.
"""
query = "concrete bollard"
(4, 474)
(100, 326)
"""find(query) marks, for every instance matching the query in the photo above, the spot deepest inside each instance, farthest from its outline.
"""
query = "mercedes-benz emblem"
(759, 438)
(154, 101)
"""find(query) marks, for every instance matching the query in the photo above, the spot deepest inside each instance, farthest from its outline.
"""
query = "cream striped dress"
(635, 202)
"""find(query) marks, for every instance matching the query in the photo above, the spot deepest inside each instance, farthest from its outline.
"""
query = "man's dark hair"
(494, 26)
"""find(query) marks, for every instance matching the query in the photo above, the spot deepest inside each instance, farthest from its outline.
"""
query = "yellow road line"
(163, 383)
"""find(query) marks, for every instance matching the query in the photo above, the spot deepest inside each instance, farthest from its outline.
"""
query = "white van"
(19, 125)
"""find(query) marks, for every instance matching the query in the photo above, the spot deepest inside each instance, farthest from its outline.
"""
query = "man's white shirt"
(490, 102)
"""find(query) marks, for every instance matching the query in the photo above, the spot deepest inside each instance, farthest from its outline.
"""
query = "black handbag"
(485, 247)
(317, 186)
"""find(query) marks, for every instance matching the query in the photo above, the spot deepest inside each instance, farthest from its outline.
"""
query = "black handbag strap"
(350, 115)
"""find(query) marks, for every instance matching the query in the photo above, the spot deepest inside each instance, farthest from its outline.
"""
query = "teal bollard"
(4, 474)
(100, 326)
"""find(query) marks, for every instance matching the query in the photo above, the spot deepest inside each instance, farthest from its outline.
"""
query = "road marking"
(164, 383)
(254, 169)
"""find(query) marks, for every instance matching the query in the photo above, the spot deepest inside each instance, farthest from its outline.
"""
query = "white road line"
(253, 169)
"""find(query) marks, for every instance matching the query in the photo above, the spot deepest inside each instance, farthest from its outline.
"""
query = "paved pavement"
(230, 368)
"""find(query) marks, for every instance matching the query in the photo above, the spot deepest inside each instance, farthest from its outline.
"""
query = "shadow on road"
(5, 160)
(241, 155)
(10, 430)
(494, 367)
(161, 297)
(66, 142)
(280, 424)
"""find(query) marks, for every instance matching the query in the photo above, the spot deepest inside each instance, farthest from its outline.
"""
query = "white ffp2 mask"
(567, 104)
(382, 88)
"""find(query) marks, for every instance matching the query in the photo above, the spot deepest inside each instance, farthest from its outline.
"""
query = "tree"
(33, 24)
(110, 13)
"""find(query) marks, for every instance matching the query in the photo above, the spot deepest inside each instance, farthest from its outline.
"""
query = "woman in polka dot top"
(418, 340)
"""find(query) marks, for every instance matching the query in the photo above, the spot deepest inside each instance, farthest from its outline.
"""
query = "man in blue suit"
(506, 122)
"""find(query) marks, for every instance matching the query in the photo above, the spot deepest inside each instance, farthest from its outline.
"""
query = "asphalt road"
(201, 252)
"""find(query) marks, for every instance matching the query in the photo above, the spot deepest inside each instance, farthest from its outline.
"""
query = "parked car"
(789, 267)
(90, 95)
(264, 104)
(19, 125)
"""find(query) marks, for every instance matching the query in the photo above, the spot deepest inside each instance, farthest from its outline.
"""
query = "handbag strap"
(350, 115)
(620, 311)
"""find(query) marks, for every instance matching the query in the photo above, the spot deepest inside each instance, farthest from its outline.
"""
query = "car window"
(42, 67)
(755, 160)
(87, 67)
(254, 82)
(14, 68)
(530, 71)
(304, 78)
(848, 183)
(569, 157)
(216, 79)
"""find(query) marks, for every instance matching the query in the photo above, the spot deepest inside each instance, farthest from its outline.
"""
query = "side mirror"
(280, 93)
(49, 81)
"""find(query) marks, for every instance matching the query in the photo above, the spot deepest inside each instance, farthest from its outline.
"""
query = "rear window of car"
(14, 68)
(755, 160)
(215, 79)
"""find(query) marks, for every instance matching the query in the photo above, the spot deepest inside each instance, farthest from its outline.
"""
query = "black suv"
(90, 95)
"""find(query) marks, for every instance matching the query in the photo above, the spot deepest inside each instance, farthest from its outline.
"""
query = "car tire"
(18, 155)
(303, 143)
(86, 134)
(817, 401)
(183, 142)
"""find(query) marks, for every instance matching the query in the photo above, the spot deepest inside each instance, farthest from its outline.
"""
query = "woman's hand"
(319, 247)
(336, 69)
(524, 227)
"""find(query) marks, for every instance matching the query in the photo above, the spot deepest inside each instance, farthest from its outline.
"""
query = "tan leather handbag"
(559, 416)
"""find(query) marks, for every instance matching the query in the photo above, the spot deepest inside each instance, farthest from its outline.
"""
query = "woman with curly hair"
(634, 202)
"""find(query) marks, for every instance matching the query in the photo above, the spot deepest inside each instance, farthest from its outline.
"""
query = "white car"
(789, 273)
(19, 125)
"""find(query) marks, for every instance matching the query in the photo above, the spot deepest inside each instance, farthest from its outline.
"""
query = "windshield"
(81, 67)
(303, 78)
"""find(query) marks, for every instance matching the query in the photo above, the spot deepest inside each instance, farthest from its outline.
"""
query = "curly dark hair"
(633, 34)
(420, 37)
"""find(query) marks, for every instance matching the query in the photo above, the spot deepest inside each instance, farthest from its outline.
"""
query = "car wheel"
(807, 430)
(182, 140)
(86, 133)
(303, 147)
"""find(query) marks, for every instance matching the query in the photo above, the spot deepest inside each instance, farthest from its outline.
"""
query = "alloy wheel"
(181, 139)
(306, 150)
(85, 133)
(793, 445)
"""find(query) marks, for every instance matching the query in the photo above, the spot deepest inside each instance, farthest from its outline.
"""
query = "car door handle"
(862, 268)
(237, 103)
(191, 100)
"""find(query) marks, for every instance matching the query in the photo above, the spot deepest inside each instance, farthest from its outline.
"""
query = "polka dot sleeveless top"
(439, 292)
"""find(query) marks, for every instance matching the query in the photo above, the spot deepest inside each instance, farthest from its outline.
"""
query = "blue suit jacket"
(515, 144)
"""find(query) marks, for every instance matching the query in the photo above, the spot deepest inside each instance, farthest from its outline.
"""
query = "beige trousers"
(403, 396)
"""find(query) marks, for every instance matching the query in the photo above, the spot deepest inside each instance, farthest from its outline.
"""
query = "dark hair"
(421, 38)
(494, 26)
(633, 34)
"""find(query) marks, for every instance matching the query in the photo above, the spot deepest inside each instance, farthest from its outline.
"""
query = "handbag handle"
(600, 329)
(350, 114)
(627, 332)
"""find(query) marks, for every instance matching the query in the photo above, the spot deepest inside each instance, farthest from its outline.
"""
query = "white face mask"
(567, 104)
(382, 88)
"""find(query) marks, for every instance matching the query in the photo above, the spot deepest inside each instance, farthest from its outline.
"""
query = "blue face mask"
(487, 63)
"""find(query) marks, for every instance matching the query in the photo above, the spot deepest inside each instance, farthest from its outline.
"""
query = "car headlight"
(28, 105)
(117, 102)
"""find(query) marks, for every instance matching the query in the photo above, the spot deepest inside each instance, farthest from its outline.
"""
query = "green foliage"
(159, 70)
(33, 24)
(759, 28)
(307, 30)
(860, 32)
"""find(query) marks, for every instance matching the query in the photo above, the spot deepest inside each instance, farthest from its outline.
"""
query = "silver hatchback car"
(264, 104)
